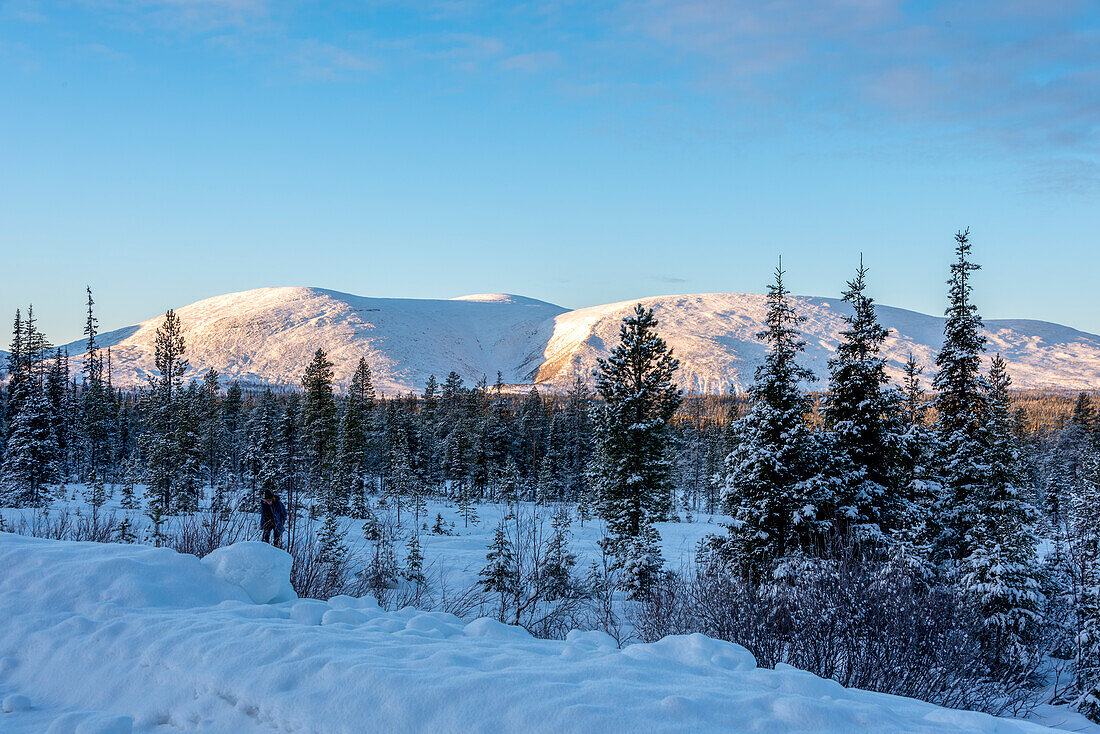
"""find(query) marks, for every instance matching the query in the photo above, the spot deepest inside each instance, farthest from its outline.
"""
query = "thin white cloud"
(532, 62)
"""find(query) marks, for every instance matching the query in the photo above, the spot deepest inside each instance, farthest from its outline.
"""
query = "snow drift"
(111, 639)
(268, 336)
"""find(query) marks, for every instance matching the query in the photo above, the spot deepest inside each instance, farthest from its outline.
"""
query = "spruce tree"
(634, 471)
(918, 490)
(354, 426)
(557, 576)
(212, 428)
(16, 373)
(500, 574)
(467, 507)
(1084, 557)
(861, 411)
(401, 483)
(161, 406)
(319, 422)
(31, 461)
(332, 551)
(1001, 570)
(414, 561)
(769, 482)
(961, 408)
(95, 402)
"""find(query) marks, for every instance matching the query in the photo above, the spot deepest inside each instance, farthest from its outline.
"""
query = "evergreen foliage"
(634, 473)
(772, 487)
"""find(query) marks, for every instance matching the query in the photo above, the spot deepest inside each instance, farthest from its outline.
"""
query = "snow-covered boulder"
(262, 570)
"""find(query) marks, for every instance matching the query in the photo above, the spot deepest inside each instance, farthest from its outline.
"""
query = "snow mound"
(83, 722)
(15, 703)
(262, 570)
(90, 636)
(90, 577)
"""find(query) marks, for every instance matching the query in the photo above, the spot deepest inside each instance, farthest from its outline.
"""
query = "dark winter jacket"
(273, 515)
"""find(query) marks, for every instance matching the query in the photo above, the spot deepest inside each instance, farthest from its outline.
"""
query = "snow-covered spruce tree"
(319, 424)
(290, 459)
(332, 551)
(354, 426)
(962, 410)
(66, 415)
(862, 413)
(770, 482)
(913, 535)
(578, 449)
(212, 429)
(161, 407)
(1002, 569)
(467, 505)
(1065, 457)
(31, 461)
(188, 448)
(633, 471)
(262, 455)
(1084, 560)
(232, 414)
(401, 483)
(557, 573)
(95, 406)
(500, 574)
(414, 561)
(26, 361)
(16, 373)
(505, 482)
(381, 571)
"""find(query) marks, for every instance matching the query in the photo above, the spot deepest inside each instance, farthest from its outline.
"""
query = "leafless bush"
(203, 532)
(858, 622)
(65, 525)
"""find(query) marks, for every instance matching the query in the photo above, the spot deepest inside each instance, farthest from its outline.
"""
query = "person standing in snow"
(272, 519)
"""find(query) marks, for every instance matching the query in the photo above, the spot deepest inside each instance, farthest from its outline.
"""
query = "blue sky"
(579, 152)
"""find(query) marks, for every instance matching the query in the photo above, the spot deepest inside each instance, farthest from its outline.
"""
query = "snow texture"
(109, 639)
(268, 335)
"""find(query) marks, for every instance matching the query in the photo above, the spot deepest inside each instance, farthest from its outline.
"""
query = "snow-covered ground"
(268, 335)
(109, 639)
(455, 558)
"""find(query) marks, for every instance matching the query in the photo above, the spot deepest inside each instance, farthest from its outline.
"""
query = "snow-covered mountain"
(268, 335)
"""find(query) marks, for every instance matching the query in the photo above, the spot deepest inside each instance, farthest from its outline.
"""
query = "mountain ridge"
(268, 335)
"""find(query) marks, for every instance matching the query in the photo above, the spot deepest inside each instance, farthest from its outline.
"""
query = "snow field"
(121, 638)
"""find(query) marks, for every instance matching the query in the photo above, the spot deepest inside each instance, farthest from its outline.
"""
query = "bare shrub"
(203, 532)
(856, 621)
(65, 525)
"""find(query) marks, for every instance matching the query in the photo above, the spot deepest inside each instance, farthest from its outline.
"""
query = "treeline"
(862, 511)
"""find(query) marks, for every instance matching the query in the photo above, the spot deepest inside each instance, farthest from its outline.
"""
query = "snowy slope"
(117, 638)
(714, 335)
(268, 336)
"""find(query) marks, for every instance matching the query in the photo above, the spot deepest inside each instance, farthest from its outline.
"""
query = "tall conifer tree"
(862, 412)
(769, 485)
(634, 474)
(961, 408)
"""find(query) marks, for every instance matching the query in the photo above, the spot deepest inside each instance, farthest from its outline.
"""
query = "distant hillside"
(268, 336)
